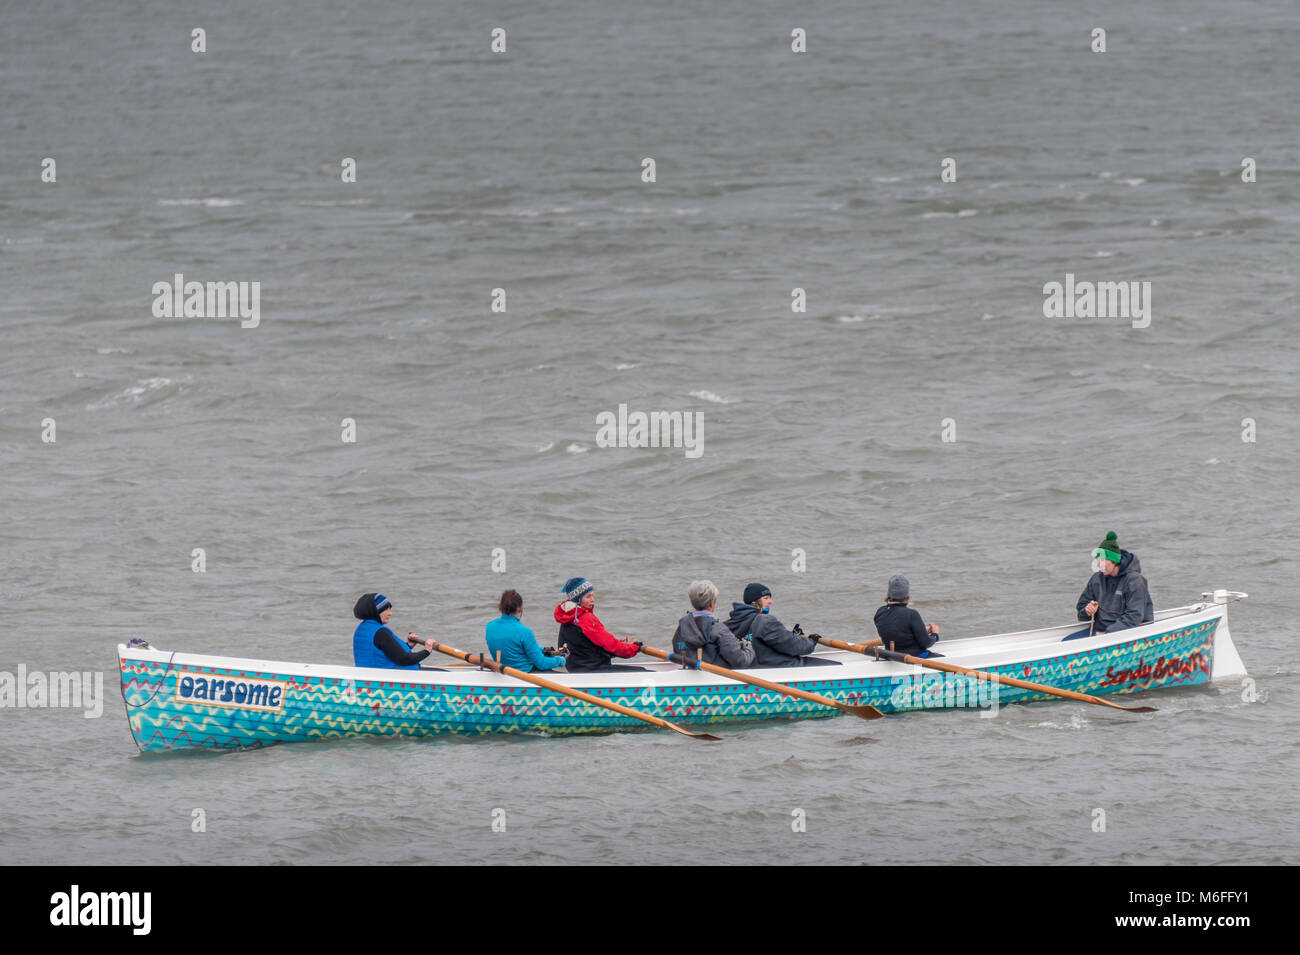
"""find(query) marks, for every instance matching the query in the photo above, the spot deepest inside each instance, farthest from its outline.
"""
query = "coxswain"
(1116, 596)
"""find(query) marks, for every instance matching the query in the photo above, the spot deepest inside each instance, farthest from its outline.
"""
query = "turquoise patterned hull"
(179, 700)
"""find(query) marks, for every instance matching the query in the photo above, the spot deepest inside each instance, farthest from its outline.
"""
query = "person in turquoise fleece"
(513, 644)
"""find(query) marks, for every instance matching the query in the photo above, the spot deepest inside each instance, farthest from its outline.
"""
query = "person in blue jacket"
(374, 644)
(512, 644)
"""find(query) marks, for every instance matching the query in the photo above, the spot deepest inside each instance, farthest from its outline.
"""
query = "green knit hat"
(1108, 549)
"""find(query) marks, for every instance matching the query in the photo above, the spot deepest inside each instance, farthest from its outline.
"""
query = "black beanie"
(754, 591)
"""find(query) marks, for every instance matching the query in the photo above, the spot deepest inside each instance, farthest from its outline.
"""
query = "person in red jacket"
(591, 646)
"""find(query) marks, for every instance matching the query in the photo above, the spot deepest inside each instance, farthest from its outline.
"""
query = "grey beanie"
(899, 588)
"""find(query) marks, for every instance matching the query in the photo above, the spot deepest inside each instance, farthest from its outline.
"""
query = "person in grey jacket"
(702, 636)
(774, 645)
(1117, 596)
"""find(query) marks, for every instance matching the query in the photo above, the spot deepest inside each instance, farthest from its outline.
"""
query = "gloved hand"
(551, 652)
(797, 629)
(815, 637)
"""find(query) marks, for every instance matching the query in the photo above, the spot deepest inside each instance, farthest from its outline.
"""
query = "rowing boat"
(176, 700)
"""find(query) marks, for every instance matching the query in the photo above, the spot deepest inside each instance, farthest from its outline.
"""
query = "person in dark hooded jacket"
(900, 627)
(374, 644)
(1117, 595)
(702, 636)
(774, 645)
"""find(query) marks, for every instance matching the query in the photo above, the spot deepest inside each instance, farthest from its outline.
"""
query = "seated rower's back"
(512, 644)
(702, 636)
(900, 627)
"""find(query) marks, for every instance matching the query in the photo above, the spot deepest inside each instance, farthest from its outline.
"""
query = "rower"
(375, 645)
(702, 636)
(590, 645)
(901, 628)
(774, 645)
(514, 645)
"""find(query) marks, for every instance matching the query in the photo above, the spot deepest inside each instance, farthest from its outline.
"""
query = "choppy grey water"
(824, 430)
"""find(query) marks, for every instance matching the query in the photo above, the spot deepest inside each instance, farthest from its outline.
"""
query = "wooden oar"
(985, 674)
(865, 712)
(479, 659)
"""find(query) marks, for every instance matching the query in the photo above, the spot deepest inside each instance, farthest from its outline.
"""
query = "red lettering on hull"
(1146, 673)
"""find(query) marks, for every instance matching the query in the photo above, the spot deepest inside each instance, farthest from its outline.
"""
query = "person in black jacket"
(901, 628)
(1117, 595)
(774, 645)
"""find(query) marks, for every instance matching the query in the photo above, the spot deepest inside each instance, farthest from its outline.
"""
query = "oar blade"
(1119, 706)
(862, 712)
(674, 726)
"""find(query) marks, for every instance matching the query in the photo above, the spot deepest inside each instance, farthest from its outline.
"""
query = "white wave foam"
(624, 366)
(576, 448)
(132, 393)
(715, 398)
(212, 201)
(546, 447)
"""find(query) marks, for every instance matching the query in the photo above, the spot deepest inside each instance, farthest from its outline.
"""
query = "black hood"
(741, 613)
(1128, 563)
(365, 608)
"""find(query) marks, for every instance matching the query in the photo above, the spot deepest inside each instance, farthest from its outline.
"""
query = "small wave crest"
(212, 201)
